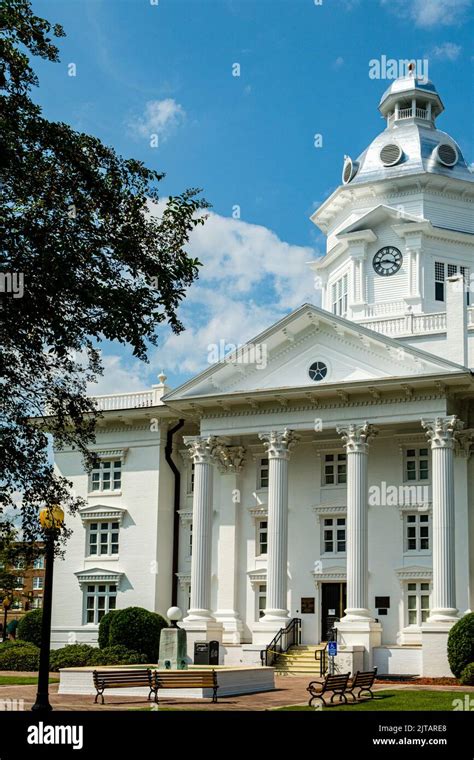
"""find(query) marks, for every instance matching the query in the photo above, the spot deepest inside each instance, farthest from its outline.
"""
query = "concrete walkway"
(290, 690)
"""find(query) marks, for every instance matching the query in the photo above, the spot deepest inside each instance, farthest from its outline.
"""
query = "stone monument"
(172, 653)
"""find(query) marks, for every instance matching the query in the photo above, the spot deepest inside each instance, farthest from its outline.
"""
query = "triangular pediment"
(376, 216)
(282, 357)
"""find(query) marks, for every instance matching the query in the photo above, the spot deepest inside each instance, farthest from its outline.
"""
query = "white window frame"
(37, 602)
(263, 473)
(262, 531)
(106, 466)
(419, 593)
(19, 582)
(190, 472)
(416, 522)
(334, 526)
(93, 590)
(451, 269)
(417, 458)
(190, 541)
(260, 600)
(38, 563)
(98, 532)
(339, 295)
(38, 583)
(339, 459)
(19, 563)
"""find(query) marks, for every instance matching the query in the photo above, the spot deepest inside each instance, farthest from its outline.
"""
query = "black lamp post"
(51, 519)
(6, 607)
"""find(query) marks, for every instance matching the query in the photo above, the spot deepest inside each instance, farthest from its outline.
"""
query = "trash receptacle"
(206, 653)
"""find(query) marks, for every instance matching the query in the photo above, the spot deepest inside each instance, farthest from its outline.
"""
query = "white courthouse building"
(333, 482)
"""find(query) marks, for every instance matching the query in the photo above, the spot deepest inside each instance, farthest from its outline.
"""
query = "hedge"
(24, 657)
(137, 629)
(29, 627)
(461, 644)
(104, 629)
(80, 655)
(467, 676)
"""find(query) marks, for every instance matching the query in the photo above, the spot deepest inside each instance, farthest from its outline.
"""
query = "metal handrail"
(322, 659)
(281, 642)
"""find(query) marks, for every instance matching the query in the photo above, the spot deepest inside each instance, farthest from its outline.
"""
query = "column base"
(202, 630)
(267, 628)
(434, 641)
(444, 615)
(358, 631)
(231, 624)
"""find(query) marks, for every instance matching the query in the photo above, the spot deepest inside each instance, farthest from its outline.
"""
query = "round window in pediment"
(318, 371)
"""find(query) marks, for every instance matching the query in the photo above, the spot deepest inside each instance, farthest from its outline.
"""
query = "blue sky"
(166, 69)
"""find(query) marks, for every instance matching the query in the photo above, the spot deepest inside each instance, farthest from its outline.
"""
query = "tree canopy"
(82, 260)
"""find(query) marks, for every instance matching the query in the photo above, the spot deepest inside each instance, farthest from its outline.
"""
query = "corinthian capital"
(231, 458)
(442, 431)
(279, 443)
(356, 437)
(203, 450)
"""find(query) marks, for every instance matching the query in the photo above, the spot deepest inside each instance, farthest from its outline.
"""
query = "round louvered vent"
(390, 154)
(446, 154)
(349, 170)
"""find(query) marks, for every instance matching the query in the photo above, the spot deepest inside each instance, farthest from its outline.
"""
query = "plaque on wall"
(307, 605)
(382, 601)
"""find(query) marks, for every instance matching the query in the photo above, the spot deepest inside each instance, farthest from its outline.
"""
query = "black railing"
(321, 656)
(285, 638)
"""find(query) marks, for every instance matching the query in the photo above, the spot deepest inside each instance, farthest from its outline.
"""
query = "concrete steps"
(299, 660)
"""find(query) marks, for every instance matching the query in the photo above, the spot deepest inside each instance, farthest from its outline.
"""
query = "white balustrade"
(116, 401)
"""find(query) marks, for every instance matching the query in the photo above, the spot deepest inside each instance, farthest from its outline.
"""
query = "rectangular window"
(38, 582)
(38, 564)
(441, 272)
(19, 581)
(418, 603)
(335, 470)
(416, 464)
(191, 478)
(103, 538)
(261, 599)
(262, 544)
(37, 602)
(107, 476)
(417, 533)
(190, 545)
(262, 476)
(334, 535)
(99, 599)
(339, 296)
(16, 604)
(19, 563)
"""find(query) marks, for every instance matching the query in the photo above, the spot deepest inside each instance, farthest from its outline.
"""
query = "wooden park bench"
(337, 684)
(185, 679)
(116, 679)
(363, 681)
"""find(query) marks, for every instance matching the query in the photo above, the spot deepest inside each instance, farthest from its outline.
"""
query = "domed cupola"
(411, 97)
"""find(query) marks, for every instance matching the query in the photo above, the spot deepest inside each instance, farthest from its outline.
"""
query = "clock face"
(387, 261)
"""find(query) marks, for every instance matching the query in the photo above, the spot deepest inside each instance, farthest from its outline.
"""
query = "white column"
(356, 439)
(278, 445)
(442, 432)
(231, 460)
(202, 452)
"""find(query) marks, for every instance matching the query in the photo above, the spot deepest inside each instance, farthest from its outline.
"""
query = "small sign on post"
(332, 652)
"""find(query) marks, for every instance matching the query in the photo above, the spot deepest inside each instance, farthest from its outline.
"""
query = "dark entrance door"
(333, 604)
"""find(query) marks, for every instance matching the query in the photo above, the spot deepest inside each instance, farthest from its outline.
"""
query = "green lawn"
(394, 700)
(22, 680)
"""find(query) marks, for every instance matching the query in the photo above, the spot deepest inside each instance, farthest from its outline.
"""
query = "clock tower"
(402, 220)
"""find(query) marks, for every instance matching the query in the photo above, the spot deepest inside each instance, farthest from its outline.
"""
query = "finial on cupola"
(162, 378)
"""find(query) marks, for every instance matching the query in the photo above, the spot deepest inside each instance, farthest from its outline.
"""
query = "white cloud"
(160, 117)
(120, 376)
(429, 13)
(447, 51)
(249, 279)
(338, 63)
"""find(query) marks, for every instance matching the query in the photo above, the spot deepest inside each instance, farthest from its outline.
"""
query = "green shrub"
(461, 644)
(9, 643)
(71, 656)
(117, 655)
(467, 676)
(104, 629)
(24, 657)
(138, 630)
(29, 627)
